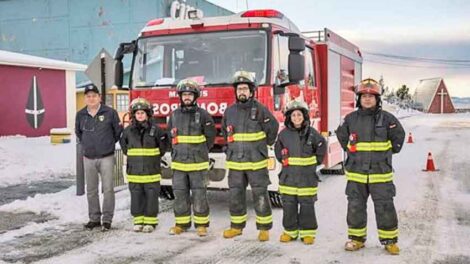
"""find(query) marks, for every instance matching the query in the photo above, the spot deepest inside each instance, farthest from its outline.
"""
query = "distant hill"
(461, 102)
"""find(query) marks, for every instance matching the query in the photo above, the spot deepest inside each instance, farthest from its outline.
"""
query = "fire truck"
(317, 67)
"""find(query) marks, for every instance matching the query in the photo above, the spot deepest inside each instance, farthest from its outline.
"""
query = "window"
(122, 102)
(309, 67)
(211, 58)
(280, 59)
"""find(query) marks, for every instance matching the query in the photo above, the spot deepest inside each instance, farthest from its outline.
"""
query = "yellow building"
(117, 99)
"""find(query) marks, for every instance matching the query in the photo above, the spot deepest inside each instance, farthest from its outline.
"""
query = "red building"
(432, 96)
(36, 94)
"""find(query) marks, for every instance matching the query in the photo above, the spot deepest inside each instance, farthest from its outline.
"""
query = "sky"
(415, 28)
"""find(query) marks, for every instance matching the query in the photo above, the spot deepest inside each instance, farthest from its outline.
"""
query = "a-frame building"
(432, 96)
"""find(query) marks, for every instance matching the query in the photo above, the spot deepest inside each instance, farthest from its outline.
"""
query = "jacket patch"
(266, 120)
(101, 118)
(393, 125)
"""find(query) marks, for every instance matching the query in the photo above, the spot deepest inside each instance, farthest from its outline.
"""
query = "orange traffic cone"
(410, 138)
(430, 164)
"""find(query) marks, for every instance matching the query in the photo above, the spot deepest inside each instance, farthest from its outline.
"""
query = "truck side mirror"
(296, 67)
(296, 61)
(118, 74)
(296, 44)
(124, 48)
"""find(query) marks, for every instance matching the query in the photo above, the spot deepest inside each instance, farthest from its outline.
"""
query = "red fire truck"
(318, 67)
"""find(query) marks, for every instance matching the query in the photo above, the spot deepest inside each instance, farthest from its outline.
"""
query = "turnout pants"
(259, 181)
(385, 213)
(299, 215)
(94, 169)
(144, 202)
(190, 188)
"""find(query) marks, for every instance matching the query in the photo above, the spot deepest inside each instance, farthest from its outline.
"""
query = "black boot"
(90, 225)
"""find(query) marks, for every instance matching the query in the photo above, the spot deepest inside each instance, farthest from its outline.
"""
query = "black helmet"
(244, 77)
(296, 105)
(141, 104)
(188, 85)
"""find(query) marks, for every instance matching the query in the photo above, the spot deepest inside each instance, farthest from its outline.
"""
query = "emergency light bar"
(263, 13)
(155, 22)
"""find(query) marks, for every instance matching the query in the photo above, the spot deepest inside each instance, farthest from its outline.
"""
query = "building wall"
(435, 106)
(76, 30)
(15, 86)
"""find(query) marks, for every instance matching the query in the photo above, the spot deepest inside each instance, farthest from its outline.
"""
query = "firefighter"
(248, 128)
(143, 143)
(370, 136)
(299, 148)
(193, 133)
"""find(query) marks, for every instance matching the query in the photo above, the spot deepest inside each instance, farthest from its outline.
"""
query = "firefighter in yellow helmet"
(144, 144)
(248, 128)
(370, 136)
(193, 133)
(299, 148)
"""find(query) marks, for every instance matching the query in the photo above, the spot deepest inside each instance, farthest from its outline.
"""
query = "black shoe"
(106, 227)
(90, 225)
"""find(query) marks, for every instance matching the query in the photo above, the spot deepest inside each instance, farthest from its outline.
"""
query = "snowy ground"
(41, 218)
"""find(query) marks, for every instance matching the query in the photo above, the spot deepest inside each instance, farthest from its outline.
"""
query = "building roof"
(19, 59)
(424, 93)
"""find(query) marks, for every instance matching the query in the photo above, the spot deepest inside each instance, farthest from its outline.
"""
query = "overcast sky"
(413, 28)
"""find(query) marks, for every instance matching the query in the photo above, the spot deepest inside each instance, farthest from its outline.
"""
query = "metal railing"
(315, 35)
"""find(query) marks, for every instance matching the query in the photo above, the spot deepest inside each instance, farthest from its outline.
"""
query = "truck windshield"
(209, 58)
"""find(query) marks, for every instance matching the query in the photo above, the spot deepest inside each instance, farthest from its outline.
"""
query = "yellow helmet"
(368, 86)
(141, 104)
(188, 85)
(244, 77)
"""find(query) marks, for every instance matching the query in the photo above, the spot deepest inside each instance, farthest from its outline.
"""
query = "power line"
(418, 66)
(421, 59)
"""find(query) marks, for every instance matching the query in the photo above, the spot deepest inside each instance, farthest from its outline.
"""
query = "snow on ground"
(434, 217)
(24, 160)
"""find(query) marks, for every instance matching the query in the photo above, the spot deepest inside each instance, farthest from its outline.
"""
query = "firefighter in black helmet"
(248, 128)
(192, 133)
(144, 144)
(299, 148)
(370, 136)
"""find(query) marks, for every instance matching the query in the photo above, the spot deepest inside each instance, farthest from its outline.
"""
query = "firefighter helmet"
(368, 86)
(244, 77)
(296, 105)
(188, 85)
(141, 104)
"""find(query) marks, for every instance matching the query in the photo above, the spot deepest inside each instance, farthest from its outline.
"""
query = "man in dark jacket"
(97, 128)
(192, 133)
(299, 148)
(248, 128)
(144, 143)
(370, 136)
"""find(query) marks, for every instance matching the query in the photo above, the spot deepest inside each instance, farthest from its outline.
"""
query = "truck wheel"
(335, 170)
(167, 192)
(275, 199)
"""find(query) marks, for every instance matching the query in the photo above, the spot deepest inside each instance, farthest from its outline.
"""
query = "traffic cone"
(430, 164)
(410, 138)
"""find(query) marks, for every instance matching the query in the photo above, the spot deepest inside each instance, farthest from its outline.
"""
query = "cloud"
(449, 45)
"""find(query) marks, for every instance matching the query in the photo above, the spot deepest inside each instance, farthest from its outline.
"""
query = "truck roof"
(247, 17)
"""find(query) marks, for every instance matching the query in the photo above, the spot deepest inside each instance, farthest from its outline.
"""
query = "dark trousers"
(190, 188)
(385, 214)
(299, 215)
(259, 181)
(144, 202)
